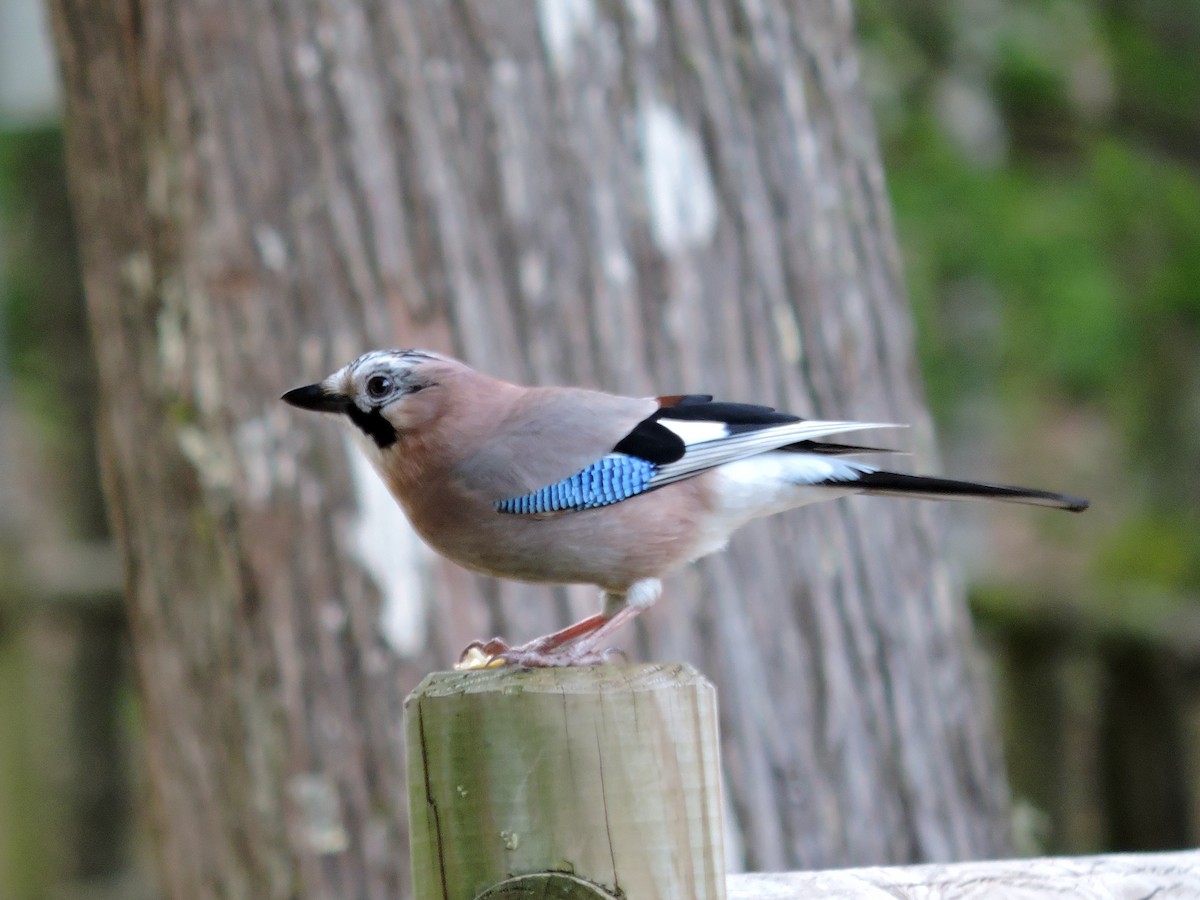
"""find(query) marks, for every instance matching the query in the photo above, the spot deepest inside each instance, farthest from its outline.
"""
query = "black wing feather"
(652, 441)
(829, 449)
(738, 416)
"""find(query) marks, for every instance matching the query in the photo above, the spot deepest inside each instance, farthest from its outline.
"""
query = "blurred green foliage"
(42, 275)
(48, 346)
(1044, 163)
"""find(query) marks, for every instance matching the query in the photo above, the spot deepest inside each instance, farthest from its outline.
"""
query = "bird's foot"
(537, 654)
(483, 654)
(574, 645)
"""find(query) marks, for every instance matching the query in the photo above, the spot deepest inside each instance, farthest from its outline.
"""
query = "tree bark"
(641, 196)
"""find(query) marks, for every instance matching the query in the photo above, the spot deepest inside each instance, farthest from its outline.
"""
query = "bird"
(568, 485)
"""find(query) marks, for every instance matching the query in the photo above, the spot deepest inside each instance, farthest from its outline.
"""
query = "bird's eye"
(379, 386)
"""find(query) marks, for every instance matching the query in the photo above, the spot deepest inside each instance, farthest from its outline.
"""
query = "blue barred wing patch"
(610, 480)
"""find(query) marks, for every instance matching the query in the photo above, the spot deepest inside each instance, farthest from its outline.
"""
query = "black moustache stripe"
(373, 424)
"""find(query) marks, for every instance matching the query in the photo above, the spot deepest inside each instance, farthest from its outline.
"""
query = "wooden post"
(607, 774)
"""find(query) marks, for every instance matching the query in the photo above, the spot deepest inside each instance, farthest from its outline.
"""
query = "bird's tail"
(933, 488)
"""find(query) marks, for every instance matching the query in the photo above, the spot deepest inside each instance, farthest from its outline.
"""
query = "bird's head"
(383, 393)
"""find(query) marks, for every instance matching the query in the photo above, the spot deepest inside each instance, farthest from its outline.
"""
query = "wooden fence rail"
(1162, 876)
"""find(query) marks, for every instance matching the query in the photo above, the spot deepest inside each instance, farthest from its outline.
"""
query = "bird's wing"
(685, 435)
(548, 435)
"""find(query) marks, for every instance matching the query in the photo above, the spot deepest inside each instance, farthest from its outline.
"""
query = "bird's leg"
(580, 649)
(575, 651)
(576, 644)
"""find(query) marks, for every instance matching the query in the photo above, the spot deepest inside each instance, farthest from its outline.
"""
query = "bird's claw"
(493, 647)
(474, 658)
(482, 655)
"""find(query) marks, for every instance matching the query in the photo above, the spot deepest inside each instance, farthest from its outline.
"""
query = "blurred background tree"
(1043, 161)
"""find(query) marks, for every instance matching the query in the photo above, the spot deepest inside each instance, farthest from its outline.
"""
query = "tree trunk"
(643, 197)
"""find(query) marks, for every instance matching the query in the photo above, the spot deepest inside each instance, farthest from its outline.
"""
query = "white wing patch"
(696, 431)
(708, 454)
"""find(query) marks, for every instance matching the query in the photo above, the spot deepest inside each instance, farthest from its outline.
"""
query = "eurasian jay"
(566, 485)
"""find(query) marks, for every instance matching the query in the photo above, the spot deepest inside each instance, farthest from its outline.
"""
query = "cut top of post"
(560, 680)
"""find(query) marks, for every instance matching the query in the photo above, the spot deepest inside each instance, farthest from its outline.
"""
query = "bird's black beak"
(316, 398)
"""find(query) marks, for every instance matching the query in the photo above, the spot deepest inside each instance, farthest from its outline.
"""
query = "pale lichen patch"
(307, 60)
(322, 829)
(271, 248)
(265, 460)
(562, 22)
(138, 273)
(172, 344)
(398, 561)
(214, 464)
(787, 332)
(681, 199)
(645, 20)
